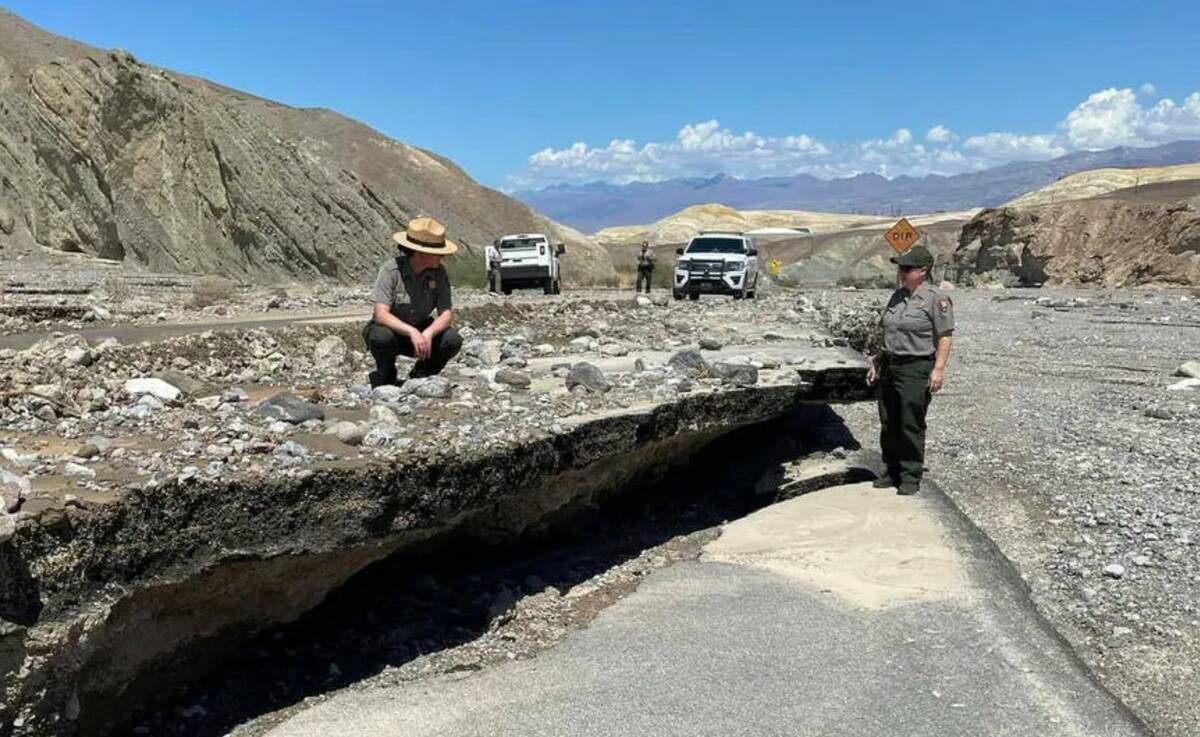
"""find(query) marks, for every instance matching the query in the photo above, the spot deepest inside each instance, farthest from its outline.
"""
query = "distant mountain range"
(590, 207)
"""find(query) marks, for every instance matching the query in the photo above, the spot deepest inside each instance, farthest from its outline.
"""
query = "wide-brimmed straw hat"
(425, 235)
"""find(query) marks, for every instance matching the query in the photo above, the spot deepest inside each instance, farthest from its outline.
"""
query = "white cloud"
(1107, 118)
(940, 134)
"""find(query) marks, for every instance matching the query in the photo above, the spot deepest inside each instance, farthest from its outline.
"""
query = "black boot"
(884, 482)
(908, 488)
(377, 379)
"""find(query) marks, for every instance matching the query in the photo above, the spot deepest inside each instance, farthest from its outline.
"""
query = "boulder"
(588, 376)
(689, 363)
(710, 344)
(289, 408)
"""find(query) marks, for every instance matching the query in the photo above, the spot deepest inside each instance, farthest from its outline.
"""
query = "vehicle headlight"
(681, 266)
(735, 266)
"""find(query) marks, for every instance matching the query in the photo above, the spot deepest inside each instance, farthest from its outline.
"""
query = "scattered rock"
(388, 393)
(587, 376)
(287, 407)
(513, 377)
(350, 433)
(1114, 570)
(87, 450)
(1190, 369)
(153, 387)
(77, 470)
(331, 352)
(710, 344)
(13, 490)
(690, 363)
(741, 374)
(433, 387)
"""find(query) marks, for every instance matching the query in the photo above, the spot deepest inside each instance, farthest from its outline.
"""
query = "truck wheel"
(548, 286)
(558, 286)
(677, 295)
(694, 297)
(507, 291)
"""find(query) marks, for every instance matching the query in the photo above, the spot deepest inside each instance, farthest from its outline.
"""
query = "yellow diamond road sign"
(902, 236)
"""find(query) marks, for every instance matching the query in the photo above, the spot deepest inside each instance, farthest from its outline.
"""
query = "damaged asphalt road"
(847, 611)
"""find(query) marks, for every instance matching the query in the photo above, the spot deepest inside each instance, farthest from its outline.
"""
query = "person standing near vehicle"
(493, 261)
(918, 328)
(645, 267)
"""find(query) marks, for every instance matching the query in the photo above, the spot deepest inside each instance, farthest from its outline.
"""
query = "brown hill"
(104, 155)
(1147, 235)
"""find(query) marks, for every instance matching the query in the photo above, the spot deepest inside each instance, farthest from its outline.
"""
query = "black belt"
(897, 358)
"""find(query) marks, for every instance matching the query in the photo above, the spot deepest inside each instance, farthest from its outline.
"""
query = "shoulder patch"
(944, 304)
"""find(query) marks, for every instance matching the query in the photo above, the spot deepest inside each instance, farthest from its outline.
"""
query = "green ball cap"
(915, 256)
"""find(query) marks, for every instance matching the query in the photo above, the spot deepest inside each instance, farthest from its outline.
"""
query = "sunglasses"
(910, 268)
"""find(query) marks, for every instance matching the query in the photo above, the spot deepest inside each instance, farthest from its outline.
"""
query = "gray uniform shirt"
(912, 323)
(411, 298)
(646, 260)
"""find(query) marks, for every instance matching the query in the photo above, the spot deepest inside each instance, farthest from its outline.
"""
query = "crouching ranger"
(918, 325)
(412, 306)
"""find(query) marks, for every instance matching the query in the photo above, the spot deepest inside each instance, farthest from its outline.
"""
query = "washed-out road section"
(846, 611)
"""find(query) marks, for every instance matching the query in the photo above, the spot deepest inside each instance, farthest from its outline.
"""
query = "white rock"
(153, 387)
(13, 489)
(331, 352)
(384, 415)
(1114, 570)
(1186, 385)
(79, 471)
(644, 301)
(78, 357)
(350, 433)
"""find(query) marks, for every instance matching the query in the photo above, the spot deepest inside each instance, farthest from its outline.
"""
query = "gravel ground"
(1057, 433)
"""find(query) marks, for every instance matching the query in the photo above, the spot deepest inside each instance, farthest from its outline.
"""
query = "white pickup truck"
(528, 260)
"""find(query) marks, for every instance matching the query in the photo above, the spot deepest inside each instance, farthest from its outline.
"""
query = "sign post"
(902, 236)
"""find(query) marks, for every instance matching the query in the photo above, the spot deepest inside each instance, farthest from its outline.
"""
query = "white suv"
(717, 263)
(528, 260)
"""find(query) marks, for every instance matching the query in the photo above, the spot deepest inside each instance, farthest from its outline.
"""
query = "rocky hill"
(1126, 238)
(1098, 182)
(105, 155)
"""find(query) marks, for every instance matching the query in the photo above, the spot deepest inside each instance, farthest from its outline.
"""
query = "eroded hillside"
(104, 155)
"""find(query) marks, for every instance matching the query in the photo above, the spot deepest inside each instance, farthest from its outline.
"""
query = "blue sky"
(525, 94)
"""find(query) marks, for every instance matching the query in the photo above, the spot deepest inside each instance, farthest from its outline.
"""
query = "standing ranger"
(918, 325)
(412, 308)
(645, 267)
(492, 257)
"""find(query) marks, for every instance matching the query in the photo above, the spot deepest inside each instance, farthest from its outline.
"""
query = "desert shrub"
(116, 290)
(211, 290)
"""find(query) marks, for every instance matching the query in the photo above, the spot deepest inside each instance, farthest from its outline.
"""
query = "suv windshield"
(717, 245)
(521, 243)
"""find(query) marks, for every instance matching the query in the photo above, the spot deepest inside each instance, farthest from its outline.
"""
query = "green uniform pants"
(903, 400)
